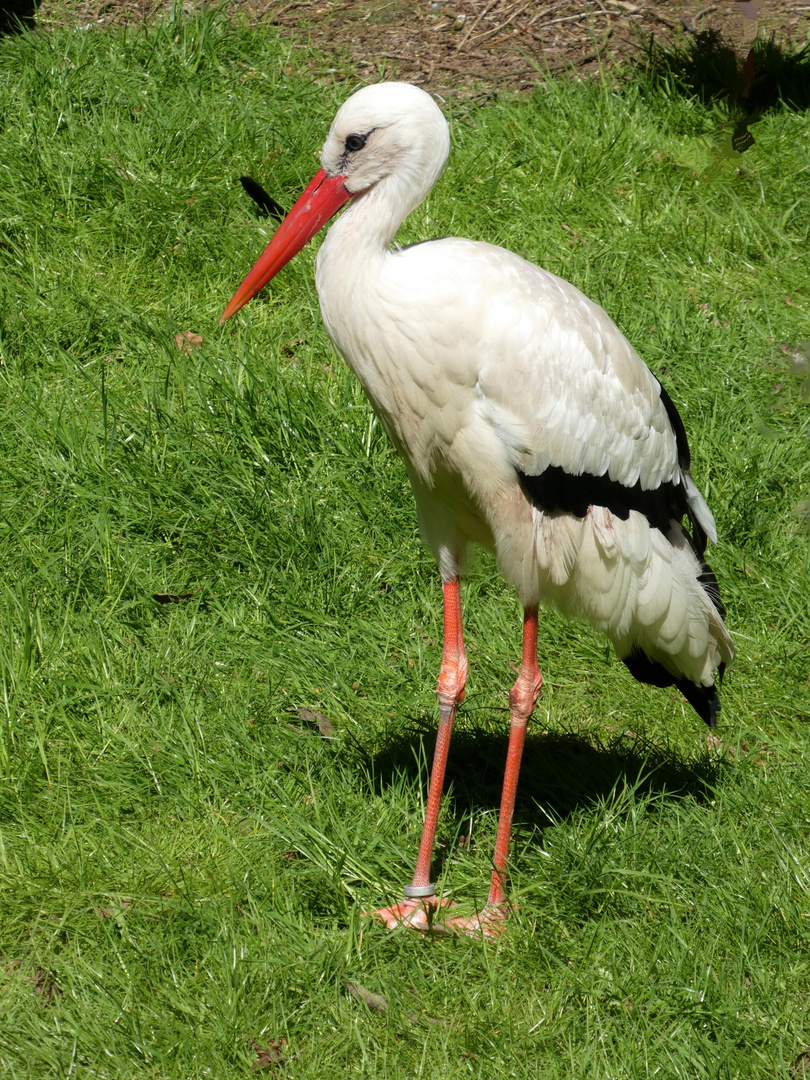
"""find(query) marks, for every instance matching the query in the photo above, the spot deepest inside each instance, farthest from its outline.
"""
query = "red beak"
(322, 199)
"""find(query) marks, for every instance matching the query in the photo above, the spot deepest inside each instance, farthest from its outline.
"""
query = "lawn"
(221, 634)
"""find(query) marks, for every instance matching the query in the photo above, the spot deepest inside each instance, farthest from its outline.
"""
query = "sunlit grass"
(183, 857)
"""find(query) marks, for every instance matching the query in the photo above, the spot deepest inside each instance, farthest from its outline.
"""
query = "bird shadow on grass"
(561, 772)
(770, 75)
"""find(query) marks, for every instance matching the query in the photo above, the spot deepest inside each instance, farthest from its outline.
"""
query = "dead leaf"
(113, 912)
(323, 723)
(45, 985)
(292, 345)
(187, 340)
(44, 982)
(270, 1055)
(375, 1002)
(801, 1066)
(716, 744)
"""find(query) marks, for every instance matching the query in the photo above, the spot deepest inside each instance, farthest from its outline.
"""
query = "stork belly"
(449, 518)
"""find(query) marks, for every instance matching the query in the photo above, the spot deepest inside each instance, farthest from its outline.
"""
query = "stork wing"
(575, 394)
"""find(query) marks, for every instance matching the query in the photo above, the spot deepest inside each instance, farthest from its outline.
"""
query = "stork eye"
(355, 142)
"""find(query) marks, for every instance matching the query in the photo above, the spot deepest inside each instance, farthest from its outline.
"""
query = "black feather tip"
(703, 699)
(266, 203)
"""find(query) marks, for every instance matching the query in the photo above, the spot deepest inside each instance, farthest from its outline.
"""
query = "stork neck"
(368, 225)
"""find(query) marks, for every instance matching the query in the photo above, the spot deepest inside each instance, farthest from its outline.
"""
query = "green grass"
(183, 858)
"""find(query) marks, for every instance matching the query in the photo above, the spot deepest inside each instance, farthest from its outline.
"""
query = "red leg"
(420, 896)
(522, 700)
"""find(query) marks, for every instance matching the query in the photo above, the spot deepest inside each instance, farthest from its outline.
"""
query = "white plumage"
(527, 423)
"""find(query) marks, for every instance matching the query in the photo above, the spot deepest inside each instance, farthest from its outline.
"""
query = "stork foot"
(489, 922)
(418, 914)
(427, 914)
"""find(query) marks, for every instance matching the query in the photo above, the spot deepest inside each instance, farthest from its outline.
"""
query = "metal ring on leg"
(418, 892)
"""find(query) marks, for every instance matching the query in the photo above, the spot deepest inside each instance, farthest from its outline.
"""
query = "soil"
(480, 45)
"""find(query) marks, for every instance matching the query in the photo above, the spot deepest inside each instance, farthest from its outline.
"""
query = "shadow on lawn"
(769, 76)
(561, 773)
(17, 15)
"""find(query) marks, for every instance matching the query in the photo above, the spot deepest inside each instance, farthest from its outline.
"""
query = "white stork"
(527, 423)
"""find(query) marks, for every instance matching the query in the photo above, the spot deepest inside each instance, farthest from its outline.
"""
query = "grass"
(183, 856)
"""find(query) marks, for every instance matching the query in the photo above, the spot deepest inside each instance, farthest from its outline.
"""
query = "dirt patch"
(487, 44)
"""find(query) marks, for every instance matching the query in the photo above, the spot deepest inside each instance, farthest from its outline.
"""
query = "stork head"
(390, 139)
(392, 129)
